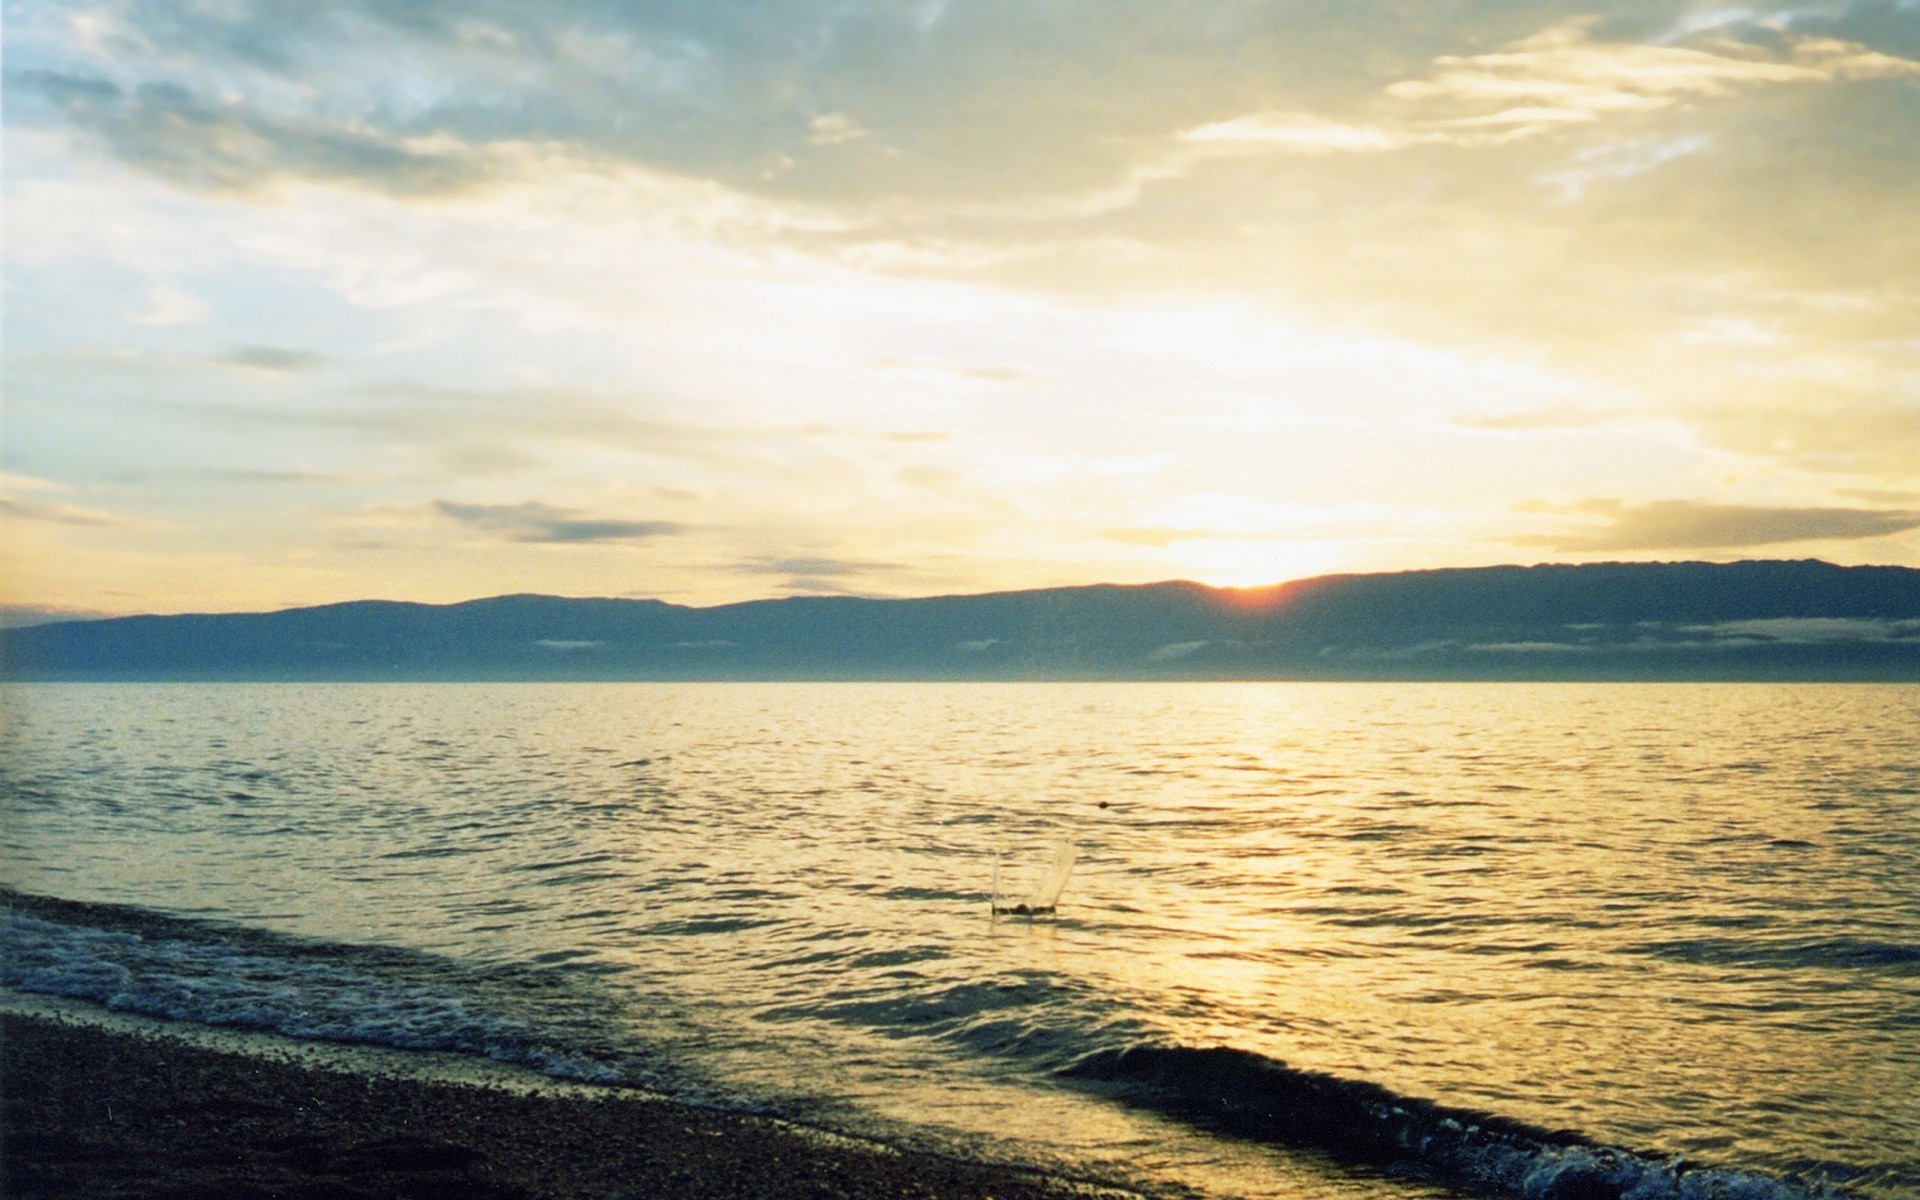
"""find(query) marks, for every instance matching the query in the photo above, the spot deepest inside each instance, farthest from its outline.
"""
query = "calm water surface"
(1676, 921)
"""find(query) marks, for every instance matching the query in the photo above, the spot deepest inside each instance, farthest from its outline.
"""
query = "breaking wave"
(1254, 1096)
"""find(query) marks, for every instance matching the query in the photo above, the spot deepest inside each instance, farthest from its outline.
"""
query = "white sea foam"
(211, 983)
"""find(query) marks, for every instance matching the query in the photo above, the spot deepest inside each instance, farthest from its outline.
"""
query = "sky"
(425, 300)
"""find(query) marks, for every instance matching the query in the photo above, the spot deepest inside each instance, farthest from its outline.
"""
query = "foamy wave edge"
(227, 987)
(1259, 1097)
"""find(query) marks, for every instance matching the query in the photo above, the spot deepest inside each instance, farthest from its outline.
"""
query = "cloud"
(1562, 75)
(1810, 630)
(1557, 78)
(981, 102)
(224, 145)
(537, 522)
(1548, 418)
(13, 482)
(1881, 495)
(1564, 70)
(562, 413)
(279, 360)
(1863, 425)
(1622, 161)
(407, 99)
(168, 304)
(491, 431)
(61, 514)
(816, 565)
(1175, 650)
(1159, 537)
(1299, 132)
(823, 575)
(267, 475)
(830, 129)
(983, 372)
(1690, 525)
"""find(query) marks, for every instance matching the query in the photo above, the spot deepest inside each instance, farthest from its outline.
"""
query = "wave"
(550, 1018)
(131, 960)
(1835, 953)
(1251, 1095)
(1245, 1094)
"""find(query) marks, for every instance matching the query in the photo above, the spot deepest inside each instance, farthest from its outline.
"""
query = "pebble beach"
(98, 1112)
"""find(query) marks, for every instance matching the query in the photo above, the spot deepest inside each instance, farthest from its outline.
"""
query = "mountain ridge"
(1753, 619)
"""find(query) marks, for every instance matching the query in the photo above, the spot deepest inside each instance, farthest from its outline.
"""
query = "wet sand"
(100, 1112)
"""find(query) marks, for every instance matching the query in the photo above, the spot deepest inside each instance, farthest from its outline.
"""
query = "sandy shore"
(103, 1112)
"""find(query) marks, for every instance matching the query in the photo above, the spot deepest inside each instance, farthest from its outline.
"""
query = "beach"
(92, 1111)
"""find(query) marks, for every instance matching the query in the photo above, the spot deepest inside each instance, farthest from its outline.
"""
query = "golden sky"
(424, 300)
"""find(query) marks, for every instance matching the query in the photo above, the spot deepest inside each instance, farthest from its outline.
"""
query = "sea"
(1380, 941)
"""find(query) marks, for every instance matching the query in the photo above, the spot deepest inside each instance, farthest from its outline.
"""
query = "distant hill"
(1747, 620)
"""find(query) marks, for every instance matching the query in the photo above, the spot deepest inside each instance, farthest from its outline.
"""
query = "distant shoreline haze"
(1753, 620)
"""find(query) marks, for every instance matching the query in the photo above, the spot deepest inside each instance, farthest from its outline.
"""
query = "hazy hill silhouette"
(1745, 620)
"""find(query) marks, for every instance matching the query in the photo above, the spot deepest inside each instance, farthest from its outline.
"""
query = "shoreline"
(100, 1104)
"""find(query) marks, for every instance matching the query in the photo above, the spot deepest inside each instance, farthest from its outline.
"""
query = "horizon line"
(53, 615)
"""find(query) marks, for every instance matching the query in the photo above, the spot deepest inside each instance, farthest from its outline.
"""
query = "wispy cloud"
(1690, 525)
(1557, 78)
(1870, 425)
(1622, 161)
(1566, 75)
(1548, 418)
(817, 565)
(821, 574)
(983, 372)
(812, 564)
(169, 305)
(1175, 650)
(268, 475)
(228, 146)
(488, 431)
(1810, 630)
(62, 514)
(534, 521)
(1562, 75)
(830, 129)
(277, 360)
(1301, 133)
(1162, 537)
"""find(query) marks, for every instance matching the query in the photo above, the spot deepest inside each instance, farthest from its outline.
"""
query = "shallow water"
(1673, 920)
